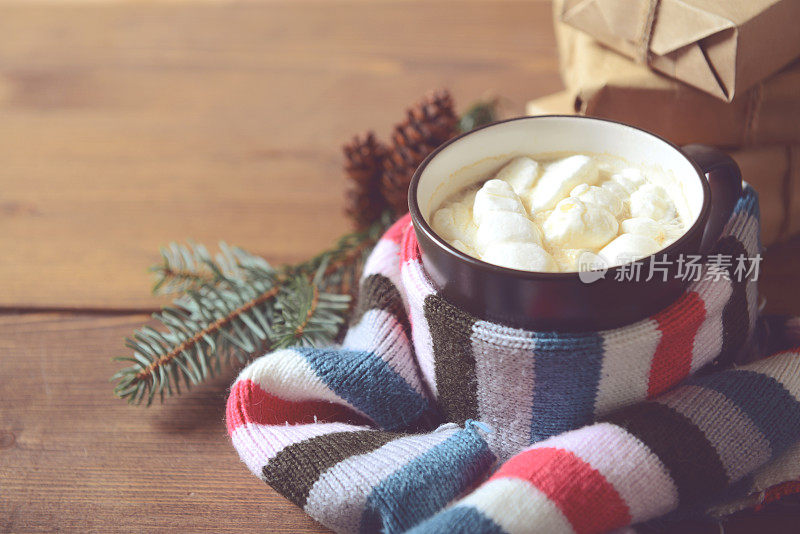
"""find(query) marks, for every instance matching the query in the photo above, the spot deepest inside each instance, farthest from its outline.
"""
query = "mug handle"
(725, 180)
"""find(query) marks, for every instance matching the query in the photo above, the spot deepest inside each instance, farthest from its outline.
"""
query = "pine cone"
(364, 158)
(363, 207)
(363, 167)
(428, 124)
(399, 167)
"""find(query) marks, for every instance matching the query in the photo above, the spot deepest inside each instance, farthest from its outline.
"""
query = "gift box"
(605, 84)
(773, 170)
(722, 48)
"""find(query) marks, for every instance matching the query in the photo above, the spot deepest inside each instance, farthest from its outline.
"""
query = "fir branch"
(211, 329)
(236, 306)
(185, 267)
(479, 114)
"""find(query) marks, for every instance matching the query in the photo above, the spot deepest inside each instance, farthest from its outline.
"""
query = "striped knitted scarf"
(427, 419)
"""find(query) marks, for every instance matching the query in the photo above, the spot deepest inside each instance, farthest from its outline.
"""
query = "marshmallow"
(652, 201)
(628, 247)
(602, 197)
(576, 224)
(522, 256)
(505, 226)
(520, 173)
(454, 222)
(559, 178)
(462, 247)
(644, 226)
(615, 189)
(495, 195)
(580, 213)
(632, 175)
(577, 259)
(625, 183)
(586, 260)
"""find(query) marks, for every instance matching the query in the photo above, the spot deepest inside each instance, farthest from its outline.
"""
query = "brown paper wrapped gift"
(722, 47)
(773, 170)
(605, 84)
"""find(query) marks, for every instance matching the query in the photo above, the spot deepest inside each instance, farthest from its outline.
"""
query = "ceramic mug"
(706, 185)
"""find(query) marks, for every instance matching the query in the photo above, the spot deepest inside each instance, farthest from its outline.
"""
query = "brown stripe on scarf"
(735, 315)
(295, 469)
(454, 362)
(377, 292)
(691, 460)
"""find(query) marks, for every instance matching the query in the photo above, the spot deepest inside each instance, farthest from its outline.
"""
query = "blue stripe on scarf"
(566, 374)
(427, 484)
(458, 520)
(367, 382)
(748, 202)
(763, 399)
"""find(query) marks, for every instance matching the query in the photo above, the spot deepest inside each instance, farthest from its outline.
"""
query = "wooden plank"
(75, 459)
(125, 126)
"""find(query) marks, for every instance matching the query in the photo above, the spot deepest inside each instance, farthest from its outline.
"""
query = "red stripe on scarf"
(248, 403)
(778, 492)
(409, 248)
(395, 232)
(588, 501)
(672, 361)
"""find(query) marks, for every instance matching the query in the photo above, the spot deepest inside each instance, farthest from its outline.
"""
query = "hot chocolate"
(562, 213)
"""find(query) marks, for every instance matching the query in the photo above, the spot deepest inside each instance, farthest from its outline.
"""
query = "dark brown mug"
(709, 183)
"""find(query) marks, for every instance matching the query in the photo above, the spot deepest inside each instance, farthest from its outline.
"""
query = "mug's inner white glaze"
(479, 155)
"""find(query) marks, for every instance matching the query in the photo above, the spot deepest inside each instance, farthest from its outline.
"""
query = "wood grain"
(74, 458)
(126, 126)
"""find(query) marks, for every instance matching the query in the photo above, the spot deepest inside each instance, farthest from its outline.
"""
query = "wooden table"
(124, 126)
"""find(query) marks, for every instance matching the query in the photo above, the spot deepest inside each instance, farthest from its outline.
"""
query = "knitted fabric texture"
(427, 419)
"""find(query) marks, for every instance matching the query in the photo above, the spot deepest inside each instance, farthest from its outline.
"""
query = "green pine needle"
(479, 114)
(234, 307)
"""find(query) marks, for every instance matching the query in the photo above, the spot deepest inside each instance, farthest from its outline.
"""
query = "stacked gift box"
(701, 71)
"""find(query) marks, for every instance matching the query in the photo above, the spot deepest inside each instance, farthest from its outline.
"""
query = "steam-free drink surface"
(559, 215)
